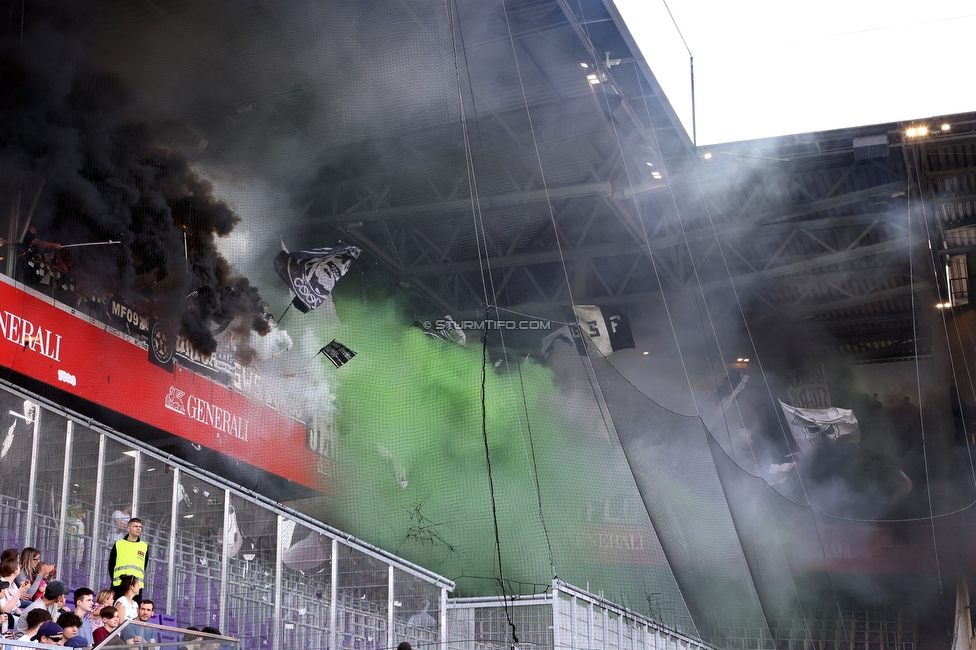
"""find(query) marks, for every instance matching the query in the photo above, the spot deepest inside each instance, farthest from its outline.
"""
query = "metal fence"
(565, 617)
(218, 555)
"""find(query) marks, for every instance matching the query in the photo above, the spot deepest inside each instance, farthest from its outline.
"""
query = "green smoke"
(412, 471)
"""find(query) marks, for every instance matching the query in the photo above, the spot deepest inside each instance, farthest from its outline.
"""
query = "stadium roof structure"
(523, 155)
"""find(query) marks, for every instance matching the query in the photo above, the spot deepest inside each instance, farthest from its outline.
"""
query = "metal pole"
(573, 627)
(557, 641)
(65, 491)
(333, 613)
(389, 608)
(136, 478)
(276, 631)
(12, 234)
(32, 480)
(590, 622)
(444, 640)
(97, 515)
(174, 515)
(224, 558)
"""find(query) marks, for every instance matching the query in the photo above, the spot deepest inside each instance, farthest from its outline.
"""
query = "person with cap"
(50, 633)
(77, 642)
(129, 556)
(55, 595)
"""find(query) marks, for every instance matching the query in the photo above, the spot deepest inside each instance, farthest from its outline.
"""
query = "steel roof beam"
(794, 268)
(463, 205)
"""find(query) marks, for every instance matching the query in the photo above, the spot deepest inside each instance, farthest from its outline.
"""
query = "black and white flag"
(337, 353)
(161, 345)
(814, 427)
(312, 274)
(565, 334)
(607, 327)
(444, 329)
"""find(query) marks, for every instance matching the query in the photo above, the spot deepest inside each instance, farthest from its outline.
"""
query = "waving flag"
(812, 427)
(312, 274)
(337, 353)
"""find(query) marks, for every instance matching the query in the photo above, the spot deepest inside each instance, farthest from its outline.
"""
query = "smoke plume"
(80, 169)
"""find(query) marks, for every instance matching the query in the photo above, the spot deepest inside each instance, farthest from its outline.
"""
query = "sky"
(765, 68)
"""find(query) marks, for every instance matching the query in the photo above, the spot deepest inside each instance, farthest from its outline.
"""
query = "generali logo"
(218, 418)
(31, 336)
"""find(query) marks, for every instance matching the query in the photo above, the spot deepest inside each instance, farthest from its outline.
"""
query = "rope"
(491, 481)
(483, 260)
(913, 175)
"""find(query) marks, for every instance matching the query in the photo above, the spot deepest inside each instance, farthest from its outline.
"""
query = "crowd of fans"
(33, 603)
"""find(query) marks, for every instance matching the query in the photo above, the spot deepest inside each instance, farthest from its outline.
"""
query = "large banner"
(53, 344)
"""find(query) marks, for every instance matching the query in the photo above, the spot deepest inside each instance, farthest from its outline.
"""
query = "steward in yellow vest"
(129, 556)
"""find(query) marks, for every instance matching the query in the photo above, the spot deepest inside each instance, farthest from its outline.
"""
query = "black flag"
(161, 346)
(312, 274)
(337, 353)
(607, 327)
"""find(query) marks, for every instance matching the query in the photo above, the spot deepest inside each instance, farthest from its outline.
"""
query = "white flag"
(812, 427)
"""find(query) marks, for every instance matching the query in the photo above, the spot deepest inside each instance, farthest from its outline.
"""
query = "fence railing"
(219, 555)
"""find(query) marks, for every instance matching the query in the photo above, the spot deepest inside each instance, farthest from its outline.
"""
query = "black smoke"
(76, 159)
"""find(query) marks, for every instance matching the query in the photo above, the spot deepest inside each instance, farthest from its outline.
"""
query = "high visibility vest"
(130, 559)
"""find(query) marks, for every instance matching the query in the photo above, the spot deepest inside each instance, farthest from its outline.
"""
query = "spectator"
(876, 406)
(134, 634)
(120, 518)
(127, 606)
(11, 595)
(50, 633)
(34, 573)
(104, 598)
(70, 624)
(404, 646)
(213, 645)
(130, 555)
(110, 621)
(75, 539)
(53, 600)
(188, 638)
(77, 642)
(84, 602)
(35, 618)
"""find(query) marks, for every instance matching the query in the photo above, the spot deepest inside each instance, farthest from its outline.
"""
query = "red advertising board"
(50, 343)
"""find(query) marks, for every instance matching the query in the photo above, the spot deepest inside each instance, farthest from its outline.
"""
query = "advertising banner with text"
(51, 343)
